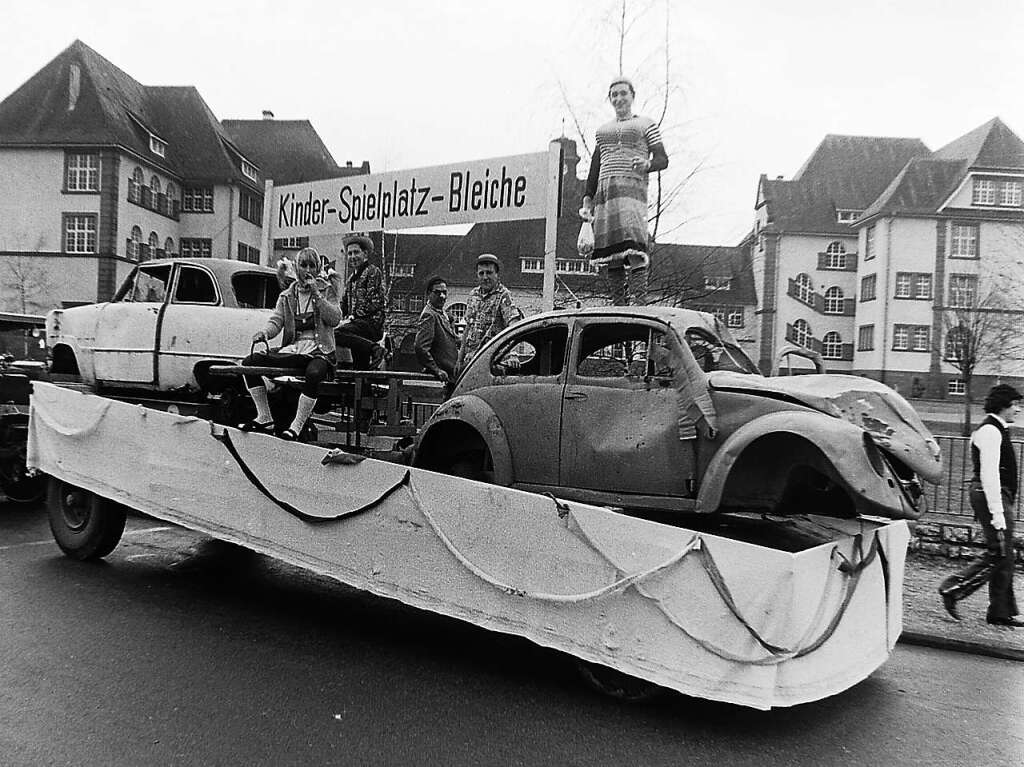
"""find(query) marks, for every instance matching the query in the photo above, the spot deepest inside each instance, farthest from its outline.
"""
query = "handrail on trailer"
(347, 383)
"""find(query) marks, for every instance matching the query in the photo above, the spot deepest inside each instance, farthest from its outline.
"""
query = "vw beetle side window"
(622, 350)
(537, 352)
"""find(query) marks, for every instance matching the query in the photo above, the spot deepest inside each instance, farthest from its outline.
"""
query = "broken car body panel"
(654, 407)
(872, 406)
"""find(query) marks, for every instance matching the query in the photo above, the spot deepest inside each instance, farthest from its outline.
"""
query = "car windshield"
(255, 290)
(713, 354)
(146, 284)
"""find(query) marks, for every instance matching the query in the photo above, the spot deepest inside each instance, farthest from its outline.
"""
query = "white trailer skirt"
(706, 615)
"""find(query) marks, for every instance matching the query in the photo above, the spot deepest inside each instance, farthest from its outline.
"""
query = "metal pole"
(554, 183)
(266, 241)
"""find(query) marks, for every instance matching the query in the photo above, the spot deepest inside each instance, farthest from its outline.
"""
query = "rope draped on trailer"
(851, 570)
(225, 439)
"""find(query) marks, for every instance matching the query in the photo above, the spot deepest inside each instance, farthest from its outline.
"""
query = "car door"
(202, 322)
(620, 414)
(527, 375)
(124, 349)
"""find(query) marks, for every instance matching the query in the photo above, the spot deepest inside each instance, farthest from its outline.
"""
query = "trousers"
(994, 566)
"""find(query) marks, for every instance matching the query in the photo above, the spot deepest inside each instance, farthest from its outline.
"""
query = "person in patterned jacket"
(362, 306)
(490, 309)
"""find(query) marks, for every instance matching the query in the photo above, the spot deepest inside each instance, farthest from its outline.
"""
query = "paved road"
(182, 651)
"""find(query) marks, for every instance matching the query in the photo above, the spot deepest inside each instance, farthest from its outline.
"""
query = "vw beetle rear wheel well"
(63, 360)
(786, 473)
(446, 442)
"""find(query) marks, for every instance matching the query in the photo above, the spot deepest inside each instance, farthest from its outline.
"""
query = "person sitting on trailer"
(307, 313)
(362, 305)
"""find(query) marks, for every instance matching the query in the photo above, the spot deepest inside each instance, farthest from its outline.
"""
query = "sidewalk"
(925, 622)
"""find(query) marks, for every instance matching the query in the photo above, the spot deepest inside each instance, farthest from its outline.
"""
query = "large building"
(942, 274)
(805, 244)
(879, 252)
(99, 172)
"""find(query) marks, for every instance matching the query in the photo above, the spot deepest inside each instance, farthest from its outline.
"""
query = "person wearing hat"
(627, 149)
(362, 305)
(490, 309)
(993, 494)
(306, 313)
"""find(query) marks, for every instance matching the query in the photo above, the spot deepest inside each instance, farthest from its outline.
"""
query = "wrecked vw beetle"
(658, 408)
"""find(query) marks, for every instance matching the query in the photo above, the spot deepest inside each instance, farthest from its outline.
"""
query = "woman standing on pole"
(627, 149)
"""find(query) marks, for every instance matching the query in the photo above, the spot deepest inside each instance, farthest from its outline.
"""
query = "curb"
(960, 645)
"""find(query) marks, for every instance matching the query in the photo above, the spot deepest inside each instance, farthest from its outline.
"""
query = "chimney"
(268, 115)
(348, 163)
(74, 85)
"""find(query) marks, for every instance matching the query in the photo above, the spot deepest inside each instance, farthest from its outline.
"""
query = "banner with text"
(500, 189)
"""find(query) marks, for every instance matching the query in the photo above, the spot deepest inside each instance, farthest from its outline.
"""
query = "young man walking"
(993, 494)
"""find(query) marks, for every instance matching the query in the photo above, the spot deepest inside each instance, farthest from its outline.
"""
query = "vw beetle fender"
(471, 411)
(840, 442)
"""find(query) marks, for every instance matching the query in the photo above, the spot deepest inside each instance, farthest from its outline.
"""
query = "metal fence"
(950, 497)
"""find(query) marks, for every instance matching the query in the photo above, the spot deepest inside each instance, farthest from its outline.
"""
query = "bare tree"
(26, 285)
(982, 328)
(642, 37)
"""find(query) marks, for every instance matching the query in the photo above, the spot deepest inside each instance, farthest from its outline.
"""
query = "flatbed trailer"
(759, 613)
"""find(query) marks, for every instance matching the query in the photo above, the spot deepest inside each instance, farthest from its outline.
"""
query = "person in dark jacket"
(993, 494)
(437, 344)
(362, 305)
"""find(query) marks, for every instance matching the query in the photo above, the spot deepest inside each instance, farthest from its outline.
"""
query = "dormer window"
(717, 283)
(249, 170)
(984, 191)
(847, 216)
(157, 146)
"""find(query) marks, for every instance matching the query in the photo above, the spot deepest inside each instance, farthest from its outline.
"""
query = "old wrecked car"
(169, 320)
(658, 408)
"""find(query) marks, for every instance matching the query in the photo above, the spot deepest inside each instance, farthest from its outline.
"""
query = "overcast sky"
(411, 83)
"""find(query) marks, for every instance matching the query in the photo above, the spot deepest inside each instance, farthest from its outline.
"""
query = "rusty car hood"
(883, 414)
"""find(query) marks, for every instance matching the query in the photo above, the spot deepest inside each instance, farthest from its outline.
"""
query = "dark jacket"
(437, 346)
(1007, 459)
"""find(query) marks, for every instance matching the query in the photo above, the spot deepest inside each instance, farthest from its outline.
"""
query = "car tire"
(84, 525)
(616, 684)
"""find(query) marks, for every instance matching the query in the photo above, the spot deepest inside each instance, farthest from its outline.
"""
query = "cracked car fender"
(472, 411)
(841, 443)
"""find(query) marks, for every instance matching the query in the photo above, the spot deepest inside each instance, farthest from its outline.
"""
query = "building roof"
(843, 172)
(288, 151)
(80, 97)
(682, 269)
(676, 269)
(926, 183)
(992, 146)
(919, 188)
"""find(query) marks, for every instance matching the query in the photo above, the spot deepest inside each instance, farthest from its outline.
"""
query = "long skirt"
(620, 218)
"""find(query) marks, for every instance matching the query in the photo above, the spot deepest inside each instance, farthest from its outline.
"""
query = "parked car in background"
(16, 376)
(168, 321)
(659, 408)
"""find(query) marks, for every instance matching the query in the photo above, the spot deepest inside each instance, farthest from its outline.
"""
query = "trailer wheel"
(616, 684)
(84, 525)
